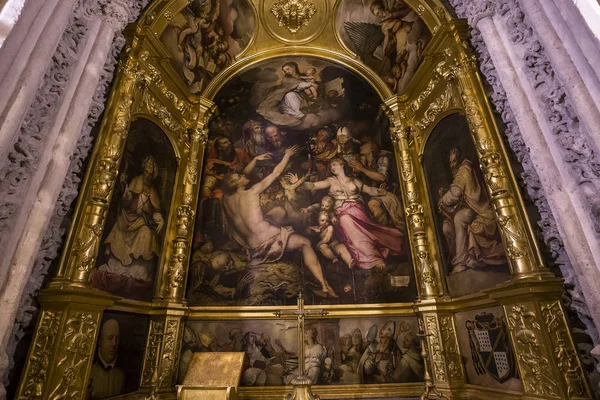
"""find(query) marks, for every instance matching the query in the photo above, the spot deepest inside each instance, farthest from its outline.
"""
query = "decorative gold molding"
(436, 354)
(38, 368)
(532, 356)
(293, 14)
(451, 349)
(564, 350)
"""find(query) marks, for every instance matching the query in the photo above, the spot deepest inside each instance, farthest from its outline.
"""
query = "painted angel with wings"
(389, 38)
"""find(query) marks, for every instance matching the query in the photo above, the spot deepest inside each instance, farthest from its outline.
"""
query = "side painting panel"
(488, 354)
(119, 355)
(387, 35)
(465, 220)
(299, 193)
(135, 227)
(337, 352)
(206, 36)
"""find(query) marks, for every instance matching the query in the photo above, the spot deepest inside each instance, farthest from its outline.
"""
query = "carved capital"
(477, 10)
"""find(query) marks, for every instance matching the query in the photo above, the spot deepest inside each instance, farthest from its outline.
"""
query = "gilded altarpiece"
(345, 151)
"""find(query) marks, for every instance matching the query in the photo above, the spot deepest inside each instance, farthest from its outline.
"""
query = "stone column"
(575, 70)
(28, 68)
(44, 186)
(545, 117)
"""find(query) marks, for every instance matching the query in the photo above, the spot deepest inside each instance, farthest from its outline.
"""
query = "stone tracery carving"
(28, 149)
(522, 33)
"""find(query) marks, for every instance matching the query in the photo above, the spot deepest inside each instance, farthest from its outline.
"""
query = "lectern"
(212, 376)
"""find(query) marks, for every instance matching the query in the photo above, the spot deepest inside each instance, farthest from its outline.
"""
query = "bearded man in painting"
(470, 225)
(264, 242)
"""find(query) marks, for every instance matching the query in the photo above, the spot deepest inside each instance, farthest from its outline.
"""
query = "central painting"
(299, 193)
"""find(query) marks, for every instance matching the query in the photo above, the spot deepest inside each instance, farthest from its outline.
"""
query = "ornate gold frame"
(447, 82)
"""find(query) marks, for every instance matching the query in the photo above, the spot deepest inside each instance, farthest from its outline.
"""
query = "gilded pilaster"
(564, 352)
(174, 276)
(84, 239)
(62, 350)
(426, 263)
(454, 364)
(163, 345)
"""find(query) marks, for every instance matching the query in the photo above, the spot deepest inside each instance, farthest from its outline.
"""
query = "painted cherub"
(311, 76)
(326, 204)
(328, 246)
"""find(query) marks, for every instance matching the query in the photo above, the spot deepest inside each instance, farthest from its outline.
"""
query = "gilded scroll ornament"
(164, 115)
(535, 367)
(564, 353)
(293, 14)
(435, 348)
(449, 339)
(435, 108)
(73, 358)
(40, 358)
(154, 76)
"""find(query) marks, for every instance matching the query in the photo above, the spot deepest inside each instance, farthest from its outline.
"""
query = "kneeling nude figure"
(263, 241)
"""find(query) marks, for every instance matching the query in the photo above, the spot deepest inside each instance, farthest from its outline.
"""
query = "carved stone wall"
(30, 145)
(563, 122)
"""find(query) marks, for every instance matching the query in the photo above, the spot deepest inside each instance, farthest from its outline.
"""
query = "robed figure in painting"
(368, 242)
(133, 242)
(469, 224)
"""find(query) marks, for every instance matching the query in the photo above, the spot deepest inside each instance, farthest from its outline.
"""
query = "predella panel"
(118, 356)
(135, 225)
(465, 221)
(299, 192)
(336, 351)
(387, 35)
(206, 36)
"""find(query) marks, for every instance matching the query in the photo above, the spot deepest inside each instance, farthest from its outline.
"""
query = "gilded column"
(426, 264)
(517, 235)
(83, 241)
(172, 285)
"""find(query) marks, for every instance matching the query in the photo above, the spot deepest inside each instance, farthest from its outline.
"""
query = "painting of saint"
(465, 219)
(387, 35)
(206, 36)
(118, 356)
(134, 231)
(299, 192)
(336, 352)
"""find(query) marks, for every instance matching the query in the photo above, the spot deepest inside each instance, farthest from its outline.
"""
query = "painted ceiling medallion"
(293, 14)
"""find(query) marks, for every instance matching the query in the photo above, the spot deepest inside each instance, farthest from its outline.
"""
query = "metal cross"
(301, 313)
